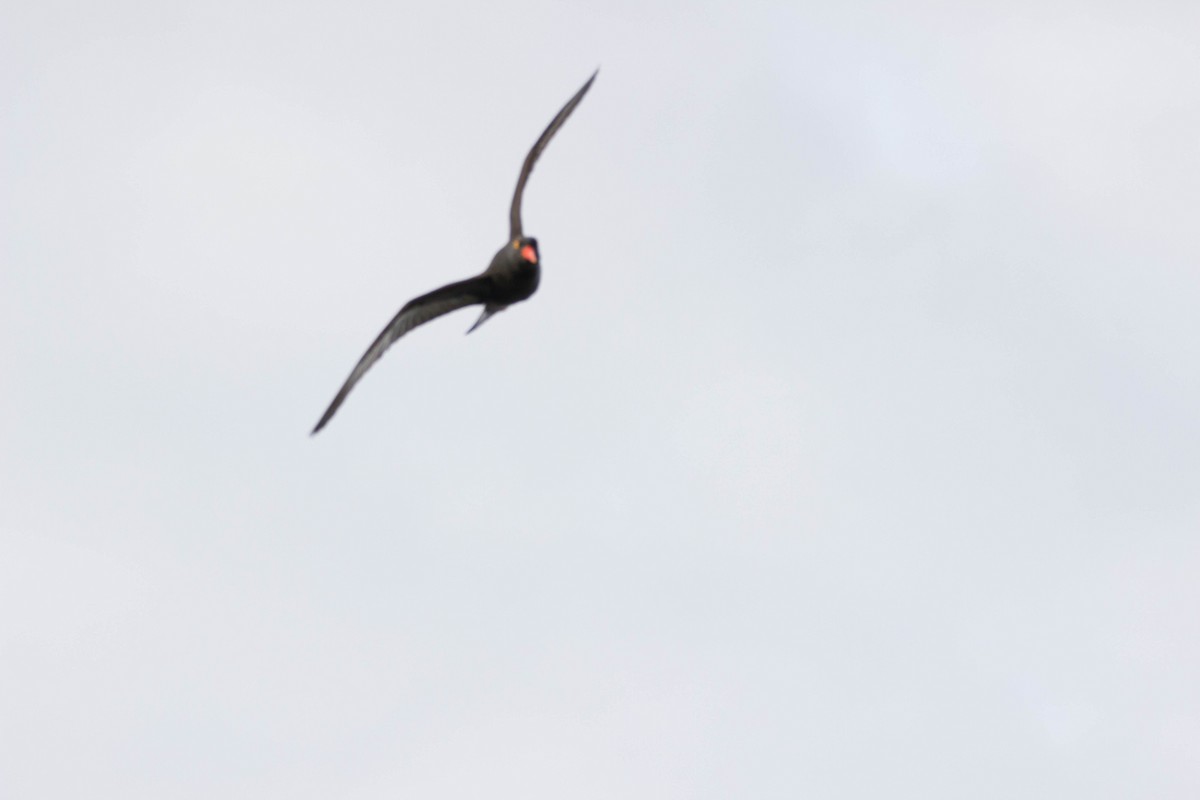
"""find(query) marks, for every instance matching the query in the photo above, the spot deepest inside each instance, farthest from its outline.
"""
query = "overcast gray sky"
(849, 449)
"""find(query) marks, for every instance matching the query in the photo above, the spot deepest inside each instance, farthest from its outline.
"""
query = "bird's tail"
(488, 310)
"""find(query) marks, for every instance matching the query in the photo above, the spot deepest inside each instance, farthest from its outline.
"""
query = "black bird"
(510, 278)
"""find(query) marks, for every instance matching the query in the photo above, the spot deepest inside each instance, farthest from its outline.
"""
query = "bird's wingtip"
(320, 424)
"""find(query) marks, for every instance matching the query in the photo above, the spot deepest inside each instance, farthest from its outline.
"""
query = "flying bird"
(510, 278)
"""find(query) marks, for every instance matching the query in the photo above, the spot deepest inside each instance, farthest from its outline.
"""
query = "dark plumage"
(510, 278)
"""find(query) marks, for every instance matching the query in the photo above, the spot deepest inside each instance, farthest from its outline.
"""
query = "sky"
(848, 449)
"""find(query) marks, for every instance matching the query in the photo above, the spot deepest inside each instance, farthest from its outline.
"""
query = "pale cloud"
(847, 448)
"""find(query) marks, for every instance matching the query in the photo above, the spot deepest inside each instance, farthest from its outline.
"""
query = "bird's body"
(511, 277)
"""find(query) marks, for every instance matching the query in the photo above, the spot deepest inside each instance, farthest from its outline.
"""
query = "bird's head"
(526, 248)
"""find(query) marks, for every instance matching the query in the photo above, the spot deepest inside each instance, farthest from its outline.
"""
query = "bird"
(512, 275)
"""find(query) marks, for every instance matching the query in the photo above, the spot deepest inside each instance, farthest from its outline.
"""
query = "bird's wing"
(531, 159)
(415, 312)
